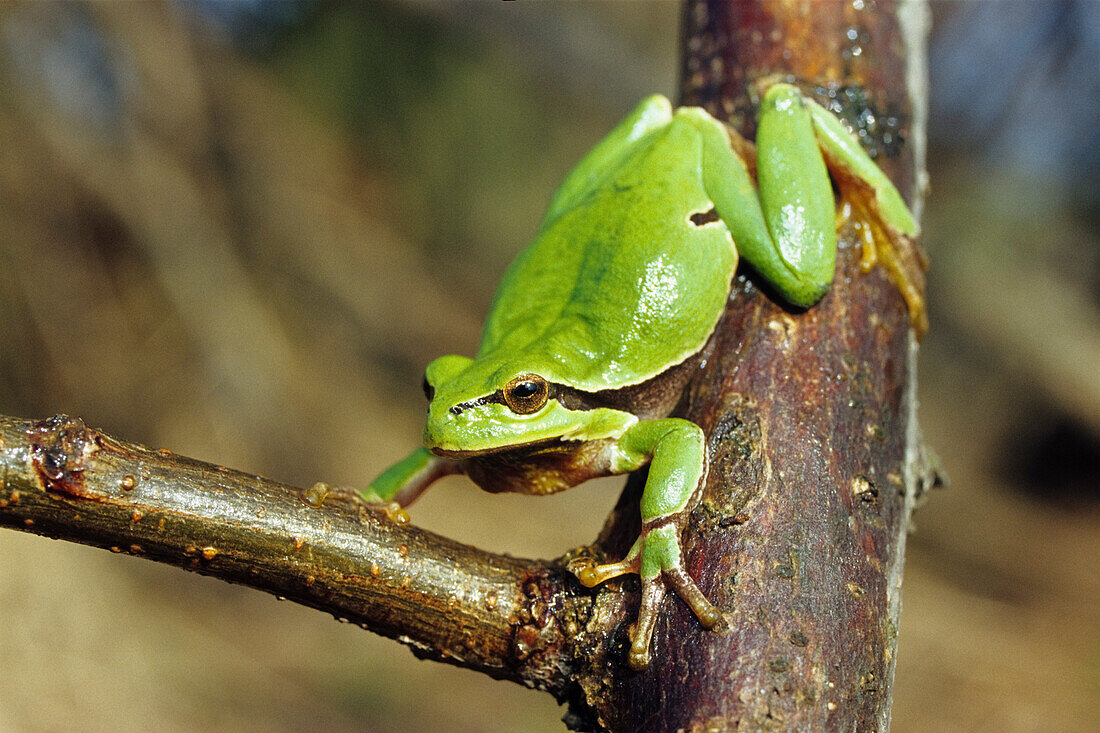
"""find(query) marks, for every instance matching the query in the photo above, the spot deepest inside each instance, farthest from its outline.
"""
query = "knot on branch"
(59, 450)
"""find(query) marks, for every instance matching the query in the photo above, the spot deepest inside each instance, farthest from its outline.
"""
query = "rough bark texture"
(815, 456)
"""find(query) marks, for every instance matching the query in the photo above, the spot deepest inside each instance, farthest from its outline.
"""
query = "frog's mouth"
(510, 452)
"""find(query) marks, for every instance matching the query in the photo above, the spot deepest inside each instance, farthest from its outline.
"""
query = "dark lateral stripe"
(569, 398)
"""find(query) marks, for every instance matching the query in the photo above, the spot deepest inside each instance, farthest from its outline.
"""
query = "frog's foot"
(876, 208)
(897, 252)
(656, 558)
(590, 574)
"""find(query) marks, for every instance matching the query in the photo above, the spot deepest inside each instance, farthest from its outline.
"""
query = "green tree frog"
(595, 326)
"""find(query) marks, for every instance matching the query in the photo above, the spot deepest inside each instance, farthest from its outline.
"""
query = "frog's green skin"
(595, 326)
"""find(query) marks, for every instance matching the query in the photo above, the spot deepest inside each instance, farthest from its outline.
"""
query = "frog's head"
(484, 405)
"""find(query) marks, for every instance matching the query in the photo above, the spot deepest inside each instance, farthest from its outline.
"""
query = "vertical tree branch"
(815, 454)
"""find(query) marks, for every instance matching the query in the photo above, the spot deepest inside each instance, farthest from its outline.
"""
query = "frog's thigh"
(796, 196)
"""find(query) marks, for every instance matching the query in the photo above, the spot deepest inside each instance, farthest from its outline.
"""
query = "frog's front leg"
(407, 479)
(675, 450)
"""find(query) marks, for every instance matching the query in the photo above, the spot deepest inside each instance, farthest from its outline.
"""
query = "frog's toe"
(639, 655)
(590, 574)
(396, 513)
(641, 635)
(707, 613)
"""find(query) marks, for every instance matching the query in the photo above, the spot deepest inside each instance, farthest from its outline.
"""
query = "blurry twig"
(999, 289)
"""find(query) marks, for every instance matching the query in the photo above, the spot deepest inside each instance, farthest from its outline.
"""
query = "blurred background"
(240, 230)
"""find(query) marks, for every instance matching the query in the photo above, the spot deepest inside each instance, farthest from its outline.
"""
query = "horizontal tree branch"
(321, 547)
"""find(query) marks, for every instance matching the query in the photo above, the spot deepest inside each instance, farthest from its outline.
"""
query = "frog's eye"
(429, 390)
(526, 393)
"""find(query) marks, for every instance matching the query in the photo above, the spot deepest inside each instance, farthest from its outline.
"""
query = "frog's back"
(630, 271)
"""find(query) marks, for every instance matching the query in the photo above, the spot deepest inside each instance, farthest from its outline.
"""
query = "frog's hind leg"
(877, 211)
(784, 228)
(676, 453)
